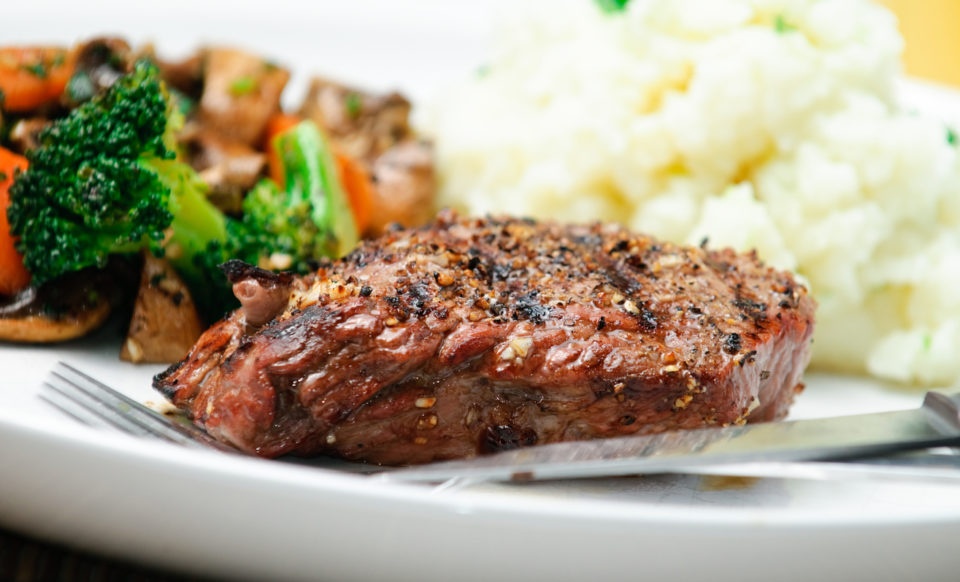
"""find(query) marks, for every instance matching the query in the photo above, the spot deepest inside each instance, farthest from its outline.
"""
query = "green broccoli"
(309, 219)
(105, 180)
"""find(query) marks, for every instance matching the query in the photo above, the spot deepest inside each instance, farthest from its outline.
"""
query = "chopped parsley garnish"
(612, 6)
(353, 104)
(781, 25)
(243, 86)
(37, 70)
(927, 342)
(952, 138)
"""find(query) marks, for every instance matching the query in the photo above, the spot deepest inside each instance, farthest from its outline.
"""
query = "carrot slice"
(277, 124)
(356, 182)
(13, 275)
(353, 176)
(33, 76)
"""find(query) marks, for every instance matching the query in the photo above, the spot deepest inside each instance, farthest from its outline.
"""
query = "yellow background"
(932, 32)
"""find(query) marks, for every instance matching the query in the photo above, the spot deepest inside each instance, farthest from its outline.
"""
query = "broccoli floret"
(309, 219)
(105, 180)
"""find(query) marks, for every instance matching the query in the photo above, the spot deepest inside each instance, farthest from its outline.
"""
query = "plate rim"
(126, 449)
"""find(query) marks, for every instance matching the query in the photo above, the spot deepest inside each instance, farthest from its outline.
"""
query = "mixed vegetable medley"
(113, 161)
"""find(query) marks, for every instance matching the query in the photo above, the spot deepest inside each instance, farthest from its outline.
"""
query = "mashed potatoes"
(759, 124)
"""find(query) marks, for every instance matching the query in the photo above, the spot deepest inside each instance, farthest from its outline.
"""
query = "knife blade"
(936, 423)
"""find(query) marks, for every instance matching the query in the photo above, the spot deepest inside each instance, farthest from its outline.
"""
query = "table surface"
(26, 559)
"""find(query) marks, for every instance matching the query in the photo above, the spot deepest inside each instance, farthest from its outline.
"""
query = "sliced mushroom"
(229, 168)
(241, 92)
(185, 76)
(45, 329)
(99, 63)
(165, 323)
(404, 187)
(23, 134)
(64, 309)
(362, 125)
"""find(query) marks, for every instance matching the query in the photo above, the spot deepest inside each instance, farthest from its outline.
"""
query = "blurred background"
(932, 32)
(931, 29)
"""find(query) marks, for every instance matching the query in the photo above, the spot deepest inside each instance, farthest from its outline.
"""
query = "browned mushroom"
(404, 187)
(23, 134)
(362, 124)
(99, 63)
(46, 329)
(68, 308)
(229, 168)
(185, 75)
(241, 92)
(165, 323)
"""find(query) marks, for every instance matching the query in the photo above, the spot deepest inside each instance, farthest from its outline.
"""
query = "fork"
(93, 403)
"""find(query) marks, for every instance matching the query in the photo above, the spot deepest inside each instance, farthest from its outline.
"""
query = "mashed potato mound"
(759, 124)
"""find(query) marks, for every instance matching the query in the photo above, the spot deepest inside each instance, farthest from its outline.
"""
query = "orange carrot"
(278, 124)
(353, 177)
(13, 275)
(359, 188)
(33, 76)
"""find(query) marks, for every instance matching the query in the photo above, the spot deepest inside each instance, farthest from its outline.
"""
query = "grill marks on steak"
(475, 335)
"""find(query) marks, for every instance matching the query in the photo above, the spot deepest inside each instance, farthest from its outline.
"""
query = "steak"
(471, 336)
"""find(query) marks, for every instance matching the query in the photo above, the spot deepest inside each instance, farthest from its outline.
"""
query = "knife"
(935, 424)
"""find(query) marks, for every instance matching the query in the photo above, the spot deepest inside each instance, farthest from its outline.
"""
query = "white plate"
(215, 514)
(248, 519)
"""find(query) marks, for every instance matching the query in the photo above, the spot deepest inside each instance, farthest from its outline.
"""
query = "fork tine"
(105, 403)
(93, 402)
(68, 406)
(86, 408)
(151, 422)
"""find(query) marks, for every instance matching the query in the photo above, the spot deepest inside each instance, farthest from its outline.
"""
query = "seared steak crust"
(477, 335)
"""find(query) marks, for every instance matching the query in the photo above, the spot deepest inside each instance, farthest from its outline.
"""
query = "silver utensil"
(739, 451)
(94, 403)
(729, 450)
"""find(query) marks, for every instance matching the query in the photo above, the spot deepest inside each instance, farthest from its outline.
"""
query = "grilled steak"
(478, 335)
